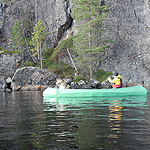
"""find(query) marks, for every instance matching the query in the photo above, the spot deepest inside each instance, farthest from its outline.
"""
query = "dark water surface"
(27, 121)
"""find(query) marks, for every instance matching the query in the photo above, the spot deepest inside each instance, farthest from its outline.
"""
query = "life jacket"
(119, 77)
(120, 82)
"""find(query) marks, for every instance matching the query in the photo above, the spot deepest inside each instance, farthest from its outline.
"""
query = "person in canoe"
(116, 82)
(8, 84)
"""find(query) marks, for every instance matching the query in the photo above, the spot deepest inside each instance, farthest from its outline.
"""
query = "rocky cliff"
(8, 65)
(55, 15)
(127, 24)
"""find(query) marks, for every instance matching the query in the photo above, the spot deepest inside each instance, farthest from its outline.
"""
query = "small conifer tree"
(17, 36)
(38, 37)
(89, 16)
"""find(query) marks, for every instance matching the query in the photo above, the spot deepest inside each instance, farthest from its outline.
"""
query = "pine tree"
(17, 36)
(89, 16)
(38, 37)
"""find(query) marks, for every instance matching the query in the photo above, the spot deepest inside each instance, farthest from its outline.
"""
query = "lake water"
(29, 122)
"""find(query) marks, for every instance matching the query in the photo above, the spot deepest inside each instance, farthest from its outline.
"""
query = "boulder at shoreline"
(33, 78)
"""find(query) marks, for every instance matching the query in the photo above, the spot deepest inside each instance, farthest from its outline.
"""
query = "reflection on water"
(20, 120)
(100, 122)
(27, 121)
(115, 119)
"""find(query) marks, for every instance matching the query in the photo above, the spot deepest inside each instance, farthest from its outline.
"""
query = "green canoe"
(126, 91)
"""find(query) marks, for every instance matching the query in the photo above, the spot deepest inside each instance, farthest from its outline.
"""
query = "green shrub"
(101, 75)
(60, 68)
(29, 63)
(47, 52)
(78, 78)
(62, 46)
(9, 52)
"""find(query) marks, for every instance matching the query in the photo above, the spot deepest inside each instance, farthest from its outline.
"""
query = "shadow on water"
(27, 121)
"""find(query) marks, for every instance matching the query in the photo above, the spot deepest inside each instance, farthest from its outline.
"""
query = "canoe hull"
(127, 91)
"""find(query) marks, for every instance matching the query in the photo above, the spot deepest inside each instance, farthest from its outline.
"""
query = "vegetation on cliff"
(89, 16)
(101, 75)
(85, 45)
(37, 40)
(17, 37)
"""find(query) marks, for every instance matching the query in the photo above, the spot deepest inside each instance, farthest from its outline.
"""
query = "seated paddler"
(116, 82)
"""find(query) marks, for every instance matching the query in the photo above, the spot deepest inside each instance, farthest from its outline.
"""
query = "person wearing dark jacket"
(8, 84)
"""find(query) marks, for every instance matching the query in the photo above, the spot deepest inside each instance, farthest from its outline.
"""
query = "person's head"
(116, 74)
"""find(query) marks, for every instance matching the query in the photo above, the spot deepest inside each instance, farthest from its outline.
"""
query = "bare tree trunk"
(41, 55)
(36, 20)
(36, 11)
(90, 43)
(72, 60)
(38, 51)
(91, 72)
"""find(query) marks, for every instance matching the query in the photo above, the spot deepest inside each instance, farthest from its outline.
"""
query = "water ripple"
(27, 121)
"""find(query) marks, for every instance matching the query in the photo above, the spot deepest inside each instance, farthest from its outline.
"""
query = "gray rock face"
(55, 15)
(8, 64)
(94, 83)
(1, 18)
(32, 78)
(127, 24)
